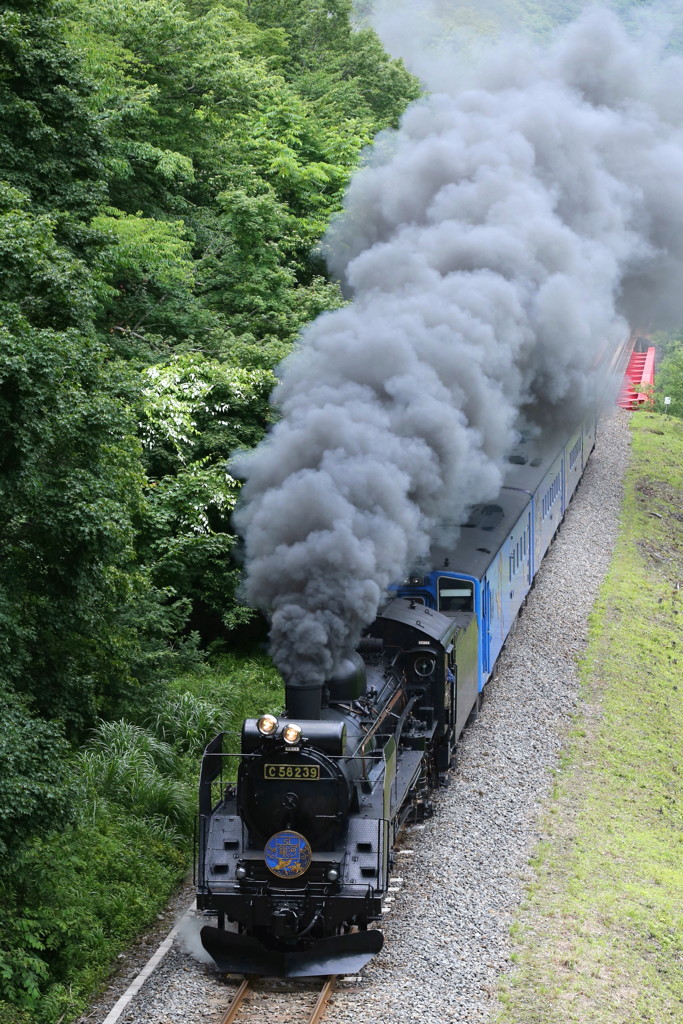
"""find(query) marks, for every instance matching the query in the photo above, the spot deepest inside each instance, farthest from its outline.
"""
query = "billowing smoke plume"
(493, 246)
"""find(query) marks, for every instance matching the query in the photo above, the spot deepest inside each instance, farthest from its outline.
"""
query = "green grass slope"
(600, 939)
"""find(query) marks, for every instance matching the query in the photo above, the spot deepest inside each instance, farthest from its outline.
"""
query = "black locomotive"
(295, 859)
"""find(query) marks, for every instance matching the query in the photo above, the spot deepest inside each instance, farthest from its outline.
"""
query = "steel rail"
(236, 1003)
(323, 999)
(314, 1018)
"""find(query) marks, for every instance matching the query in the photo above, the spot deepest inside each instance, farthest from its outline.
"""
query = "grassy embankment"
(600, 938)
(161, 790)
(86, 892)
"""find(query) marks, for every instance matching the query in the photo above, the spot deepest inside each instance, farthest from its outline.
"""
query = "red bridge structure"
(639, 379)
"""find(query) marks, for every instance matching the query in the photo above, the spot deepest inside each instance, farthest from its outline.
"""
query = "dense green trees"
(212, 132)
(669, 373)
(167, 169)
(50, 142)
(70, 483)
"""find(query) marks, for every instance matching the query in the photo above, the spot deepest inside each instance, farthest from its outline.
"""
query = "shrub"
(140, 773)
(76, 899)
(669, 383)
(34, 781)
(12, 1015)
(188, 722)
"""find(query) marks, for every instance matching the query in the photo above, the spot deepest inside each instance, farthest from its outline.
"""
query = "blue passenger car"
(490, 569)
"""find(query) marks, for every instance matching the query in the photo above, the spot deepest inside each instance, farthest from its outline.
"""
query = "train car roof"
(480, 541)
(528, 464)
(426, 620)
(489, 524)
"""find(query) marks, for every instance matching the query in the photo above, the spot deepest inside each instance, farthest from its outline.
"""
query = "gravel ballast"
(463, 873)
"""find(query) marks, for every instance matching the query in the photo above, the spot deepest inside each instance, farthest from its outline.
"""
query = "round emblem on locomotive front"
(287, 854)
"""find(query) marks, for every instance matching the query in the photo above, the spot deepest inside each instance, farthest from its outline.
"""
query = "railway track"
(252, 997)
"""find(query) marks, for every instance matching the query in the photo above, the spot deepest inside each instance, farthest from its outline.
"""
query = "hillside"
(167, 170)
(600, 939)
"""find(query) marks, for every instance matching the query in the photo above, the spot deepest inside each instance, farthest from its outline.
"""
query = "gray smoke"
(494, 246)
(439, 39)
(189, 937)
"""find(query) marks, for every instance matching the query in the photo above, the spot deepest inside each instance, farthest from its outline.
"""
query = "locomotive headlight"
(240, 872)
(291, 733)
(332, 875)
(266, 725)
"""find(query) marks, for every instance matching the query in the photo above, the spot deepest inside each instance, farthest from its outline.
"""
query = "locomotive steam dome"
(349, 681)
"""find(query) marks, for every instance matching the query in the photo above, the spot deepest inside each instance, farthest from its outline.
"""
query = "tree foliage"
(669, 374)
(212, 118)
(34, 783)
(50, 143)
(197, 412)
(70, 482)
(167, 169)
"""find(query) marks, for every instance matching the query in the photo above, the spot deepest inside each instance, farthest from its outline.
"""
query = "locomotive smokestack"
(493, 245)
(303, 702)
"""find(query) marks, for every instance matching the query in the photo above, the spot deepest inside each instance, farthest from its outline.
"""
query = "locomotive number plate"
(310, 772)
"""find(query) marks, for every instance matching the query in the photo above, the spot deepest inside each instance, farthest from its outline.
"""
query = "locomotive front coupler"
(284, 921)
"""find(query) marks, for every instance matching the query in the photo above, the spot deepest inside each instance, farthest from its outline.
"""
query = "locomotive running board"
(338, 954)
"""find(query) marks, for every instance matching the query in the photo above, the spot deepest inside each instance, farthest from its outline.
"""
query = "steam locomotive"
(298, 854)
(295, 859)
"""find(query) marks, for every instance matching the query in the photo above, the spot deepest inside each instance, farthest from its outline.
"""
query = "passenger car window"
(455, 595)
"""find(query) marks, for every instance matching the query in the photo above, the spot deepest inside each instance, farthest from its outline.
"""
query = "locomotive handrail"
(219, 754)
(341, 757)
(211, 769)
(374, 728)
